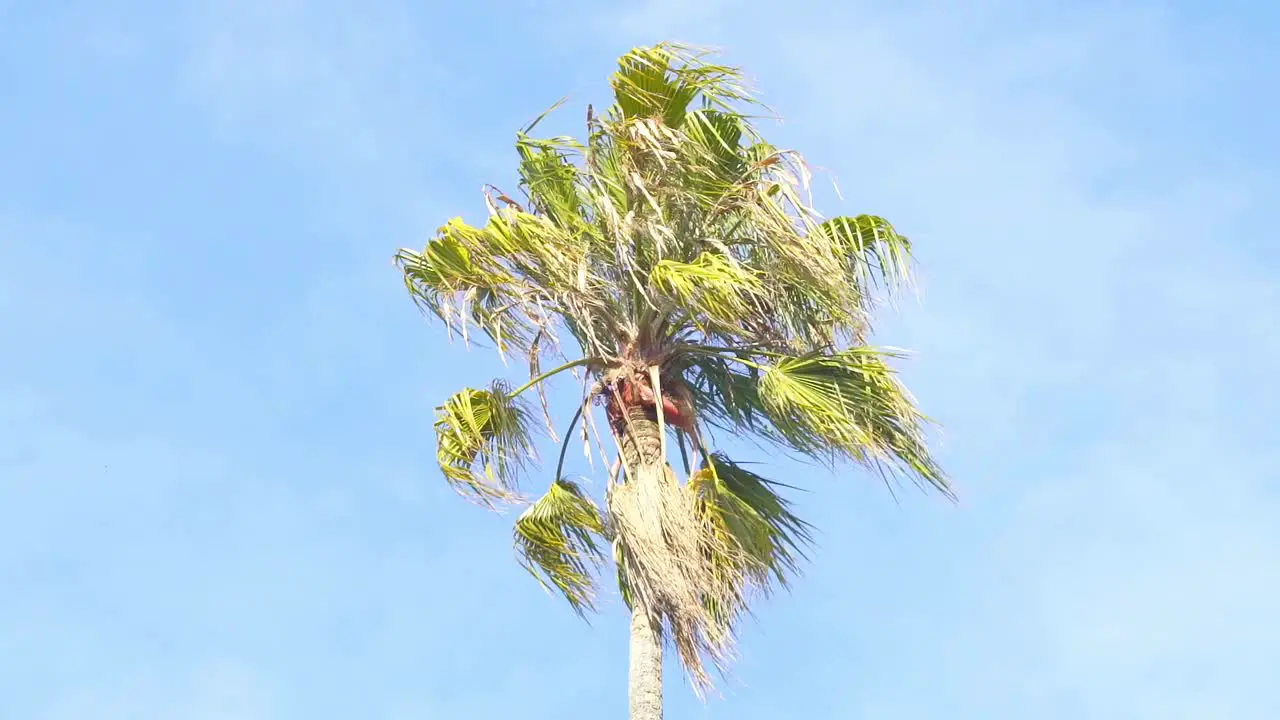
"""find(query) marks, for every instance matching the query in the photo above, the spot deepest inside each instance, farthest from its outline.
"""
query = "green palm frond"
(483, 439)
(712, 288)
(466, 288)
(663, 80)
(715, 138)
(726, 393)
(557, 540)
(755, 540)
(644, 87)
(874, 253)
(551, 179)
(850, 403)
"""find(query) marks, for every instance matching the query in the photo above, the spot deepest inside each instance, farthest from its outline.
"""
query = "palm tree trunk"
(641, 444)
(645, 675)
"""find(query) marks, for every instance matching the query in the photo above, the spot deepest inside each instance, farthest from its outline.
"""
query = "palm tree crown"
(679, 252)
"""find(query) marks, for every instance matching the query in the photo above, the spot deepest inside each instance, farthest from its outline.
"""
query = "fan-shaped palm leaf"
(483, 438)
(753, 537)
(849, 403)
(557, 537)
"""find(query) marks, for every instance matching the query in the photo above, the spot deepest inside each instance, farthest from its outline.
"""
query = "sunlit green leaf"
(711, 287)
(644, 86)
(483, 439)
(850, 403)
(874, 252)
(756, 539)
(558, 541)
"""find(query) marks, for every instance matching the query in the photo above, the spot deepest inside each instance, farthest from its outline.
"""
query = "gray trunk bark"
(645, 675)
(642, 449)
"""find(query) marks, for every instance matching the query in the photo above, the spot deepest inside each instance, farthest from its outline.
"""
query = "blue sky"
(217, 497)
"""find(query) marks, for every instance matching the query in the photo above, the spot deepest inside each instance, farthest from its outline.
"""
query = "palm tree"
(678, 251)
